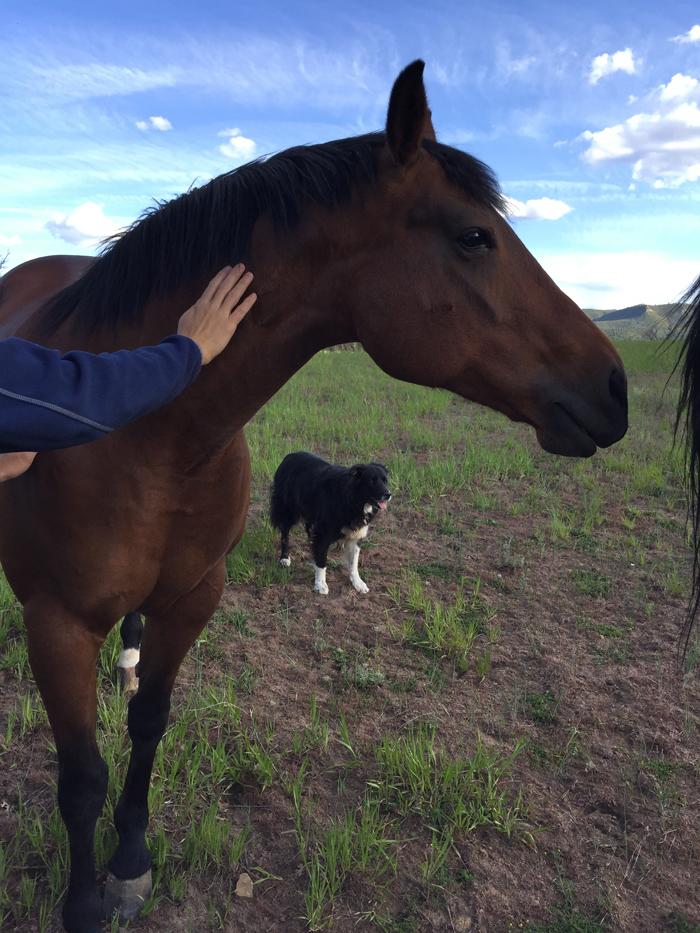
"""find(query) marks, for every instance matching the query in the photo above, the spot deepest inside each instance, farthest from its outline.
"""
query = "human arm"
(49, 401)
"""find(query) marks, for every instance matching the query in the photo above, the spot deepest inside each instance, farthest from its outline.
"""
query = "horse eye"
(474, 239)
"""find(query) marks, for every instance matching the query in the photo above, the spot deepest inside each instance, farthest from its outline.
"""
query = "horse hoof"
(128, 680)
(126, 898)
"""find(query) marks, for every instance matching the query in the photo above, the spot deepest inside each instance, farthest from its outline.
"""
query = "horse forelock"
(179, 242)
(688, 421)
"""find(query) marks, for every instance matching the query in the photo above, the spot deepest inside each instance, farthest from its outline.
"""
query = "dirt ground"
(591, 679)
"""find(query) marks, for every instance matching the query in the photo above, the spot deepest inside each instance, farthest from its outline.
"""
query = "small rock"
(462, 923)
(244, 888)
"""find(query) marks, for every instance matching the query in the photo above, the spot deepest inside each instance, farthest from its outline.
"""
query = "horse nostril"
(618, 387)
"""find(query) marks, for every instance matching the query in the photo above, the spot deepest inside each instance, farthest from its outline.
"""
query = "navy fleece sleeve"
(48, 401)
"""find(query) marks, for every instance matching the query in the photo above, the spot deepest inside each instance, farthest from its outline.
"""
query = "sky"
(588, 113)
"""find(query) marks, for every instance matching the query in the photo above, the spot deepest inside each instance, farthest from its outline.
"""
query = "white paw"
(286, 561)
(359, 585)
(321, 589)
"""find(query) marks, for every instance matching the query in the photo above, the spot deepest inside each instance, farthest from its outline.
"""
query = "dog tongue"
(382, 505)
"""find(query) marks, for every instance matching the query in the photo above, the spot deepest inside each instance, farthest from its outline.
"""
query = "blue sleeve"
(49, 401)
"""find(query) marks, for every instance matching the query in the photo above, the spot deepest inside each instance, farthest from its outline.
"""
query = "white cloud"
(537, 209)
(85, 226)
(508, 65)
(605, 64)
(157, 123)
(160, 123)
(663, 145)
(234, 131)
(350, 76)
(13, 240)
(239, 148)
(693, 35)
(679, 86)
(620, 280)
(75, 82)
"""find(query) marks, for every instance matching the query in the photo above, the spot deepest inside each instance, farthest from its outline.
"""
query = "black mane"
(688, 418)
(196, 234)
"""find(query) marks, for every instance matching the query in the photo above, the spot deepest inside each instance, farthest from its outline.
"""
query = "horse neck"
(290, 323)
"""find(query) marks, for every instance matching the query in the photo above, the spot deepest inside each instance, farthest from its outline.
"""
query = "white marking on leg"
(359, 585)
(286, 561)
(320, 585)
(344, 553)
(129, 657)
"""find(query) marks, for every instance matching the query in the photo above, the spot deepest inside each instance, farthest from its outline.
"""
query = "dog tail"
(280, 515)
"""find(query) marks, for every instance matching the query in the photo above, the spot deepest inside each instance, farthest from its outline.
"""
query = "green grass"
(569, 915)
(679, 923)
(360, 429)
(591, 583)
(453, 795)
(436, 627)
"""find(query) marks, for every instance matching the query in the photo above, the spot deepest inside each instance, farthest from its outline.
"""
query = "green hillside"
(638, 322)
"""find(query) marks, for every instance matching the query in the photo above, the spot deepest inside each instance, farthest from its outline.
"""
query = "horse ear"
(408, 119)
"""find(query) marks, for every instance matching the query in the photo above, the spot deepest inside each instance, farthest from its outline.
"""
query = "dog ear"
(356, 471)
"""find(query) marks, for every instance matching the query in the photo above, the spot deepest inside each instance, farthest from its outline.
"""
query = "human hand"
(15, 464)
(212, 321)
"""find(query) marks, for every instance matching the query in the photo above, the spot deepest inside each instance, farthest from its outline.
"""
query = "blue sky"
(589, 114)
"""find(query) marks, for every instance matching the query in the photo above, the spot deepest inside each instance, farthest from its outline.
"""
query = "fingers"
(233, 282)
(213, 319)
(240, 311)
(238, 289)
(212, 287)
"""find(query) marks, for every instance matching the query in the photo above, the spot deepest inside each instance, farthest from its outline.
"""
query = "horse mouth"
(566, 436)
(581, 446)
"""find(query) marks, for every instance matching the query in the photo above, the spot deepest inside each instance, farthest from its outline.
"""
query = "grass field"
(499, 737)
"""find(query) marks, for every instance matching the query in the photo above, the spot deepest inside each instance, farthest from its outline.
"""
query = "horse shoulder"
(24, 289)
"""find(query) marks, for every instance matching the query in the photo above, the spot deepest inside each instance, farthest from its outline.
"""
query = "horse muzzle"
(574, 422)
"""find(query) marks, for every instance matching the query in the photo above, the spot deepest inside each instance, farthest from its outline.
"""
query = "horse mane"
(688, 421)
(196, 234)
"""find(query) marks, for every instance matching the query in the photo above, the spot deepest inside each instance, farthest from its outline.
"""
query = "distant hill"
(639, 322)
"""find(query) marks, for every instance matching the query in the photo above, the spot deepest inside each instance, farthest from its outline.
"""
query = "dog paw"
(286, 561)
(321, 589)
(360, 585)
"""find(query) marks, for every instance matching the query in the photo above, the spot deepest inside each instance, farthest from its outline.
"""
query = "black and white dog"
(335, 503)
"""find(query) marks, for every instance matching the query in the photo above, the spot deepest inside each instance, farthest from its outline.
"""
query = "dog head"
(370, 480)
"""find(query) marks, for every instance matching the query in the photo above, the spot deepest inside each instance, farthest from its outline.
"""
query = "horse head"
(457, 301)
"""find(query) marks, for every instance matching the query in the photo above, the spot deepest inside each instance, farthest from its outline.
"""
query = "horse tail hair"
(688, 424)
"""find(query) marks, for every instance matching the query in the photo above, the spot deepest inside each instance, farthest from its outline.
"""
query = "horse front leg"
(166, 640)
(131, 632)
(63, 655)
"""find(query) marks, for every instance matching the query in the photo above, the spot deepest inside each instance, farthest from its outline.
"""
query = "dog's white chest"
(355, 534)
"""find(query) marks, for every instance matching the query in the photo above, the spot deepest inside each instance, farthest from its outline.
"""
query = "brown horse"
(393, 240)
